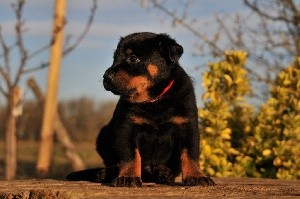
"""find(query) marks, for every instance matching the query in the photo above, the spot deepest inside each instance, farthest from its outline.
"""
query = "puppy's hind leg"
(99, 175)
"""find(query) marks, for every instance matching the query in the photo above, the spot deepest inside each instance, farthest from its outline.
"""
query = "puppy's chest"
(159, 118)
(159, 122)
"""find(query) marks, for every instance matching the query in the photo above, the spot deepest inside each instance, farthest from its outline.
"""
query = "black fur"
(153, 135)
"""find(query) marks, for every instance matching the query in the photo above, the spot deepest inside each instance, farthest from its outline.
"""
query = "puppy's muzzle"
(108, 81)
(111, 83)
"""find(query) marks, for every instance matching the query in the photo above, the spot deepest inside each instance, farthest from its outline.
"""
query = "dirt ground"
(225, 188)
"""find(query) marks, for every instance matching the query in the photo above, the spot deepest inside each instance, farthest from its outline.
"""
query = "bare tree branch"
(271, 43)
(2, 91)
(40, 50)
(69, 48)
(254, 6)
(232, 38)
(5, 76)
(6, 51)
(218, 51)
(85, 31)
(287, 13)
(212, 43)
(19, 40)
(10, 48)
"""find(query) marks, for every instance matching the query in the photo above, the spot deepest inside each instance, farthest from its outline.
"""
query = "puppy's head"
(142, 62)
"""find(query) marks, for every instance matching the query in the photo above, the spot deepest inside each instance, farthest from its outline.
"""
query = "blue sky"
(82, 70)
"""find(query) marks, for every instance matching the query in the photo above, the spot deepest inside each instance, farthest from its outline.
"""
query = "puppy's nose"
(108, 77)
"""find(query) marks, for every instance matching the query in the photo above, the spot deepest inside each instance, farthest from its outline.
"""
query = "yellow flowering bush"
(234, 142)
(277, 134)
(226, 119)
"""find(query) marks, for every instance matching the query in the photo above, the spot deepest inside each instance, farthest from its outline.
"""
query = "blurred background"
(268, 31)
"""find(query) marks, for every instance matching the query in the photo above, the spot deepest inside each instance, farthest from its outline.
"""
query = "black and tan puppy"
(153, 135)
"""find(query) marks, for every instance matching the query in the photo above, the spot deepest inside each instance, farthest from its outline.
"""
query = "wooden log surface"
(225, 188)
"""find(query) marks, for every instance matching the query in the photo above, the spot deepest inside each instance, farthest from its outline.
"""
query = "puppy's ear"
(170, 47)
(175, 52)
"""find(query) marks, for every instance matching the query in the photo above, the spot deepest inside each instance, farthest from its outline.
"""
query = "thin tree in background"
(50, 106)
(9, 86)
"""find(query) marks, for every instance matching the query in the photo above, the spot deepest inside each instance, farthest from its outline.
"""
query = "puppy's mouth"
(110, 87)
(115, 88)
(127, 94)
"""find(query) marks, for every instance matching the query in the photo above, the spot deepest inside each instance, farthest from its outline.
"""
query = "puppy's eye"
(134, 59)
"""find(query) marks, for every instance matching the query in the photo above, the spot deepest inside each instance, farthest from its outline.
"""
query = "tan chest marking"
(179, 120)
(139, 120)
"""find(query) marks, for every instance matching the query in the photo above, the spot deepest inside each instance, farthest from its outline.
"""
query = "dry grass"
(27, 155)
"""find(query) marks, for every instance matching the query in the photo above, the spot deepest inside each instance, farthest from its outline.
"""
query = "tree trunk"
(50, 107)
(11, 137)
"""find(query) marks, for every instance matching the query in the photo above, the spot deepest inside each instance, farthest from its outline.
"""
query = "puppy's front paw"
(198, 181)
(127, 182)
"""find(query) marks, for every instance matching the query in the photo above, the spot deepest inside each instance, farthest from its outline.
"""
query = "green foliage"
(234, 143)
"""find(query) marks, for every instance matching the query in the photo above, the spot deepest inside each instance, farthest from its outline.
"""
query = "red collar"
(163, 92)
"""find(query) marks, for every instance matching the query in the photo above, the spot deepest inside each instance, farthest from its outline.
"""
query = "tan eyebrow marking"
(128, 51)
(152, 69)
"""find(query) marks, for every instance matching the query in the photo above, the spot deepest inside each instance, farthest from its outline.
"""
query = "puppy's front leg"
(191, 173)
(129, 172)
